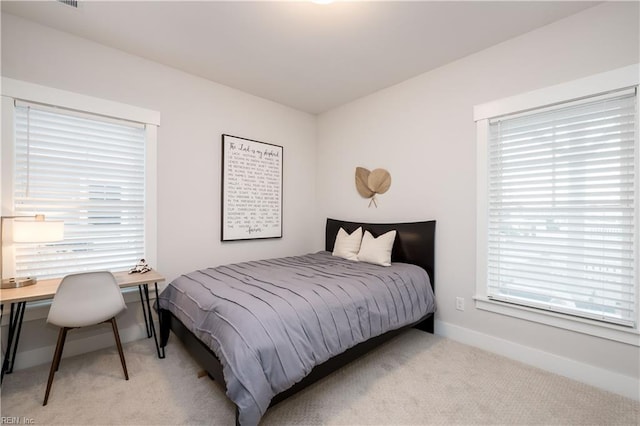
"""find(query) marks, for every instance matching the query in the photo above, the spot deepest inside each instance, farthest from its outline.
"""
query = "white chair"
(81, 300)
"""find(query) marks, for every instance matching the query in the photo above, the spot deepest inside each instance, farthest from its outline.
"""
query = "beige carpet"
(415, 379)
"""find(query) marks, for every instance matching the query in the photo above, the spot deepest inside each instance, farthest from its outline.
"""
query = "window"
(94, 171)
(88, 172)
(559, 210)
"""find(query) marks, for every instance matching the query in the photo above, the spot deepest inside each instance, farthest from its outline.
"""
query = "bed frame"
(414, 244)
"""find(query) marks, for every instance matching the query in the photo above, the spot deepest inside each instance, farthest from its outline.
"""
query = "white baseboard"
(585, 373)
(44, 354)
(130, 327)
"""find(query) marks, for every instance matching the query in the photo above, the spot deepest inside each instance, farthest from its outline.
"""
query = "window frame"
(13, 90)
(575, 90)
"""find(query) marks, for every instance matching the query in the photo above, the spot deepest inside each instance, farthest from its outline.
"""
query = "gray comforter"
(270, 322)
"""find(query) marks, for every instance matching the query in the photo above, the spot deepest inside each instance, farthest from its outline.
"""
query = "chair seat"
(82, 316)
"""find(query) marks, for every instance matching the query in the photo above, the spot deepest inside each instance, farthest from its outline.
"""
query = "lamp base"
(18, 282)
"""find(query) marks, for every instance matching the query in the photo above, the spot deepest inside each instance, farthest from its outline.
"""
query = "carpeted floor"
(416, 378)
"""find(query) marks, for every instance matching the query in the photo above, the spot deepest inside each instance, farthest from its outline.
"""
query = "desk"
(46, 289)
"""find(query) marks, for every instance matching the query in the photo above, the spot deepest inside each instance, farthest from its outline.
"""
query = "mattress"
(270, 322)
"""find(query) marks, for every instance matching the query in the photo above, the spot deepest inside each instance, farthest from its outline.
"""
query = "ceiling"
(308, 56)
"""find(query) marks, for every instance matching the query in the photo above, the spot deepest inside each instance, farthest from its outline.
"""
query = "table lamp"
(30, 229)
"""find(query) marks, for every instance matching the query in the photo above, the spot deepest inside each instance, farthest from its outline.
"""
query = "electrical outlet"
(460, 303)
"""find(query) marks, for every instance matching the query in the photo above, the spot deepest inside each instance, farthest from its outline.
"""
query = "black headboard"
(415, 241)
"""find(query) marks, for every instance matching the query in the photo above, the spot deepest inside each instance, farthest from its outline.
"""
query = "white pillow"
(347, 245)
(377, 250)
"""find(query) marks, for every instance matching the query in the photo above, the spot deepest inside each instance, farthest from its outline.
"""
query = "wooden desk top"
(45, 289)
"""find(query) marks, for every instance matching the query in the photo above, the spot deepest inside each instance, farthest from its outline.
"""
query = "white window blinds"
(561, 208)
(88, 171)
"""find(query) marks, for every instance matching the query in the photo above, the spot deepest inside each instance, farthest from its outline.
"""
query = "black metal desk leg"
(159, 318)
(15, 326)
(147, 314)
(153, 327)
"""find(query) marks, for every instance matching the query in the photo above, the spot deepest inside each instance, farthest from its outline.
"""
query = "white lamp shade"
(37, 231)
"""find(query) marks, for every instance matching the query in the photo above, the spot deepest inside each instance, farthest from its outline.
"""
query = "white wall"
(194, 114)
(423, 132)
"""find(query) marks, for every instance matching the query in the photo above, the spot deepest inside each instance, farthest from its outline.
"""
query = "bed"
(267, 329)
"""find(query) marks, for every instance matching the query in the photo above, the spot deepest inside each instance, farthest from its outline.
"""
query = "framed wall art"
(251, 189)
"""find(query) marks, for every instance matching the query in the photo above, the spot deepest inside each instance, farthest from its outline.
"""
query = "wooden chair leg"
(62, 335)
(64, 339)
(119, 345)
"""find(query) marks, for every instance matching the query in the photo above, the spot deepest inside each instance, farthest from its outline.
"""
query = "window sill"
(613, 332)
